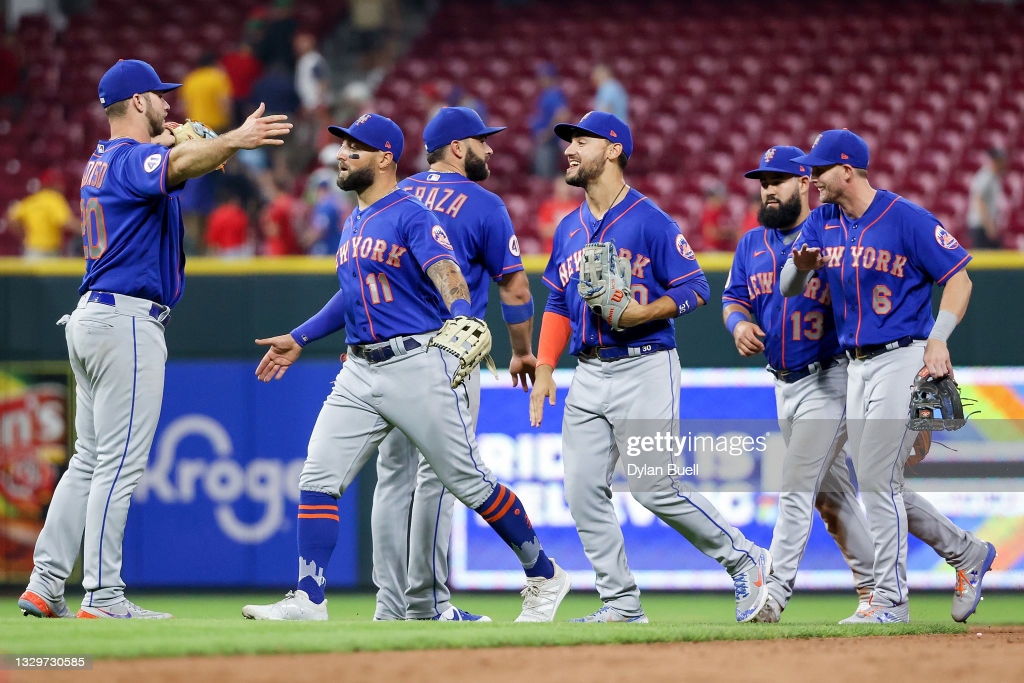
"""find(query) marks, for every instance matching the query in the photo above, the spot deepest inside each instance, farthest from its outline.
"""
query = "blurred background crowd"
(936, 88)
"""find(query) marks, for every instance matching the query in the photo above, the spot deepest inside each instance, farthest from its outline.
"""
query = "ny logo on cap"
(769, 155)
(362, 119)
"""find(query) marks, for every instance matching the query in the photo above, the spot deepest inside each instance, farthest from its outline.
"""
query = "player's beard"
(155, 118)
(586, 173)
(357, 181)
(476, 167)
(782, 215)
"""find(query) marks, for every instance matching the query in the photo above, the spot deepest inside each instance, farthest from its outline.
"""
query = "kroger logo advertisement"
(974, 476)
(217, 504)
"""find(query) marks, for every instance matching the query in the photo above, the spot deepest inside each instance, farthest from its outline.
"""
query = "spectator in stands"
(564, 199)
(551, 107)
(375, 23)
(312, 78)
(751, 217)
(610, 96)
(330, 209)
(277, 221)
(197, 200)
(44, 218)
(227, 229)
(716, 233)
(275, 44)
(206, 94)
(986, 202)
(242, 69)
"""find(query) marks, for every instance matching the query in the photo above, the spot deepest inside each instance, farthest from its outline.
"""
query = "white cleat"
(296, 606)
(121, 610)
(541, 597)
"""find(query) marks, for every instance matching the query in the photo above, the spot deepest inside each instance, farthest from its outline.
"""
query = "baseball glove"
(604, 281)
(922, 444)
(935, 404)
(469, 340)
(190, 130)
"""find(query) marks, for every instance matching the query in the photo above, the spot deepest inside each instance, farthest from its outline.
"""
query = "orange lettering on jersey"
(563, 273)
(897, 265)
(378, 251)
(429, 199)
(641, 263)
(884, 256)
(456, 204)
(812, 288)
(95, 172)
(418, 191)
(855, 253)
(835, 256)
(343, 253)
(439, 205)
(826, 296)
(365, 247)
(626, 254)
(765, 281)
(395, 257)
(868, 260)
(752, 287)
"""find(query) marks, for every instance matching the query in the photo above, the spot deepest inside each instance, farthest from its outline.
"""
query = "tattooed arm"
(447, 277)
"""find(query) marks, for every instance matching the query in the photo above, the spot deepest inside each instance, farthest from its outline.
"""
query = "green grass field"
(209, 624)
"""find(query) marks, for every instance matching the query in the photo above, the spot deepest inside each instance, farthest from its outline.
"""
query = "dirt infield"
(998, 655)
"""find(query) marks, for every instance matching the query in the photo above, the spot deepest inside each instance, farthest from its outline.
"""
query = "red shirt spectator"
(227, 230)
(277, 225)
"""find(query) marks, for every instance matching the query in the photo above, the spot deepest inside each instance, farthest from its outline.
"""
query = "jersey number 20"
(94, 229)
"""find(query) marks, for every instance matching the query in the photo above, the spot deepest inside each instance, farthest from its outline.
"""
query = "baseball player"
(134, 275)
(798, 337)
(627, 377)
(399, 279)
(880, 255)
(411, 532)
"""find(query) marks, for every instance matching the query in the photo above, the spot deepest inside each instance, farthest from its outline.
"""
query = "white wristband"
(945, 322)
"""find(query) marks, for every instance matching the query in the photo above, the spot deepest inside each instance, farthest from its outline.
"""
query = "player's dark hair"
(436, 156)
(623, 160)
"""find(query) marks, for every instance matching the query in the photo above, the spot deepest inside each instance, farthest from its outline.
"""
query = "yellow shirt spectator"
(43, 217)
(206, 94)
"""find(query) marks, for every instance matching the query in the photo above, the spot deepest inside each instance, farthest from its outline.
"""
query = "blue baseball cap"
(374, 130)
(599, 124)
(455, 123)
(779, 159)
(837, 147)
(128, 77)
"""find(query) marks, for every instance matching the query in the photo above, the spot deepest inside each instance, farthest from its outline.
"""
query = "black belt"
(381, 353)
(872, 350)
(162, 314)
(790, 376)
(612, 353)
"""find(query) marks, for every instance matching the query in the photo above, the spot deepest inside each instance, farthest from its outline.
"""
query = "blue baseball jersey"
(132, 230)
(655, 246)
(880, 267)
(798, 330)
(382, 260)
(478, 225)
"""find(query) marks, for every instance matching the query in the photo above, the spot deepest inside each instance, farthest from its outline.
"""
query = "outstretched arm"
(199, 157)
(952, 307)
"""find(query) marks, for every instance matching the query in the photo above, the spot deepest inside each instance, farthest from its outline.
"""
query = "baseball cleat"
(541, 597)
(453, 613)
(609, 614)
(752, 586)
(771, 613)
(33, 604)
(296, 606)
(967, 593)
(121, 610)
(867, 613)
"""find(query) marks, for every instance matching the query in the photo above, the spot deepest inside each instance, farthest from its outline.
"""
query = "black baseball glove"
(935, 405)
